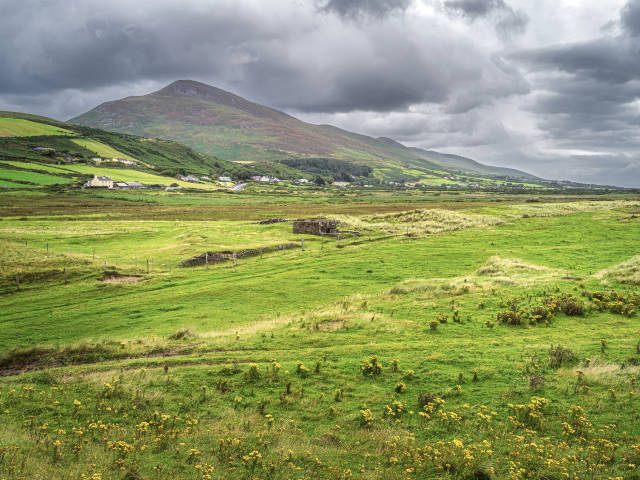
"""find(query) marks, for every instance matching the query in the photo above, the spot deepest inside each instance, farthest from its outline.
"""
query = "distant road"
(239, 187)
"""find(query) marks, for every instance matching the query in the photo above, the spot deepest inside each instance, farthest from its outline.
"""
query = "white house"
(188, 178)
(303, 180)
(104, 182)
(224, 179)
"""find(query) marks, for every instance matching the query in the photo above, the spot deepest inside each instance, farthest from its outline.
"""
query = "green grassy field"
(7, 184)
(457, 338)
(31, 177)
(105, 151)
(18, 127)
(38, 166)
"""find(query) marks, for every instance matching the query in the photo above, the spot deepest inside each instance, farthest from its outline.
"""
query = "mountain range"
(219, 123)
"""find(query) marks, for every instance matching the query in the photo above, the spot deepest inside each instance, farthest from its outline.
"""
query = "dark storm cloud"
(295, 61)
(475, 8)
(630, 17)
(586, 99)
(355, 9)
(589, 90)
(408, 69)
(508, 21)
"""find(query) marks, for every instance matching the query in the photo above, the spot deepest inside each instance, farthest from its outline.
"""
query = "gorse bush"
(615, 302)
(301, 369)
(520, 312)
(371, 368)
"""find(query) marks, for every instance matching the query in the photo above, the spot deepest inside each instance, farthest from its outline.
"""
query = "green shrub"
(371, 368)
(559, 355)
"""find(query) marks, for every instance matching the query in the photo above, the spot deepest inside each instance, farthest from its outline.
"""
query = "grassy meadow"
(101, 149)
(19, 127)
(462, 336)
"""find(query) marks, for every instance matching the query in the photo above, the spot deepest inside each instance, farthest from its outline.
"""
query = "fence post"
(302, 244)
(105, 265)
(93, 254)
(322, 243)
(47, 247)
(147, 265)
(26, 243)
(18, 281)
(261, 253)
(235, 260)
(65, 274)
(169, 266)
(206, 259)
(116, 260)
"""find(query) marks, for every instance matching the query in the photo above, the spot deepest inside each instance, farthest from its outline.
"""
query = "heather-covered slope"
(220, 123)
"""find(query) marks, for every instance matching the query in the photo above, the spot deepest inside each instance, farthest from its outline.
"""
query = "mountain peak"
(198, 90)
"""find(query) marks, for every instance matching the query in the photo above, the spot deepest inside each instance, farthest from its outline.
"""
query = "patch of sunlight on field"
(131, 175)
(18, 127)
(37, 166)
(105, 151)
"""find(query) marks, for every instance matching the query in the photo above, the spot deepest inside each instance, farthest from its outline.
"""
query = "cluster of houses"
(269, 179)
(264, 179)
(124, 161)
(203, 178)
(106, 182)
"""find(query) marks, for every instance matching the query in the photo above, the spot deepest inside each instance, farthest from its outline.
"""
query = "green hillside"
(31, 145)
(219, 123)
(18, 127)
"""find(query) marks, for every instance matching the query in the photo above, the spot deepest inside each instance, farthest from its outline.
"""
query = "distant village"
(455, 182)
(107, 182)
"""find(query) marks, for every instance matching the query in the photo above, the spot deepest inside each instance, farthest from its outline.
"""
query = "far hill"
(220, 123)
(467, 165)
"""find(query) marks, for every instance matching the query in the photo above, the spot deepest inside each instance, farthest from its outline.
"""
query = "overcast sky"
(548, 86)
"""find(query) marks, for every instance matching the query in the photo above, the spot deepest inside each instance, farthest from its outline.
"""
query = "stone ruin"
(316, 226)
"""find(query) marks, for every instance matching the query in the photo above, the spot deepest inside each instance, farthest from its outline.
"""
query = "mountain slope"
(83, 143)
(220, 123)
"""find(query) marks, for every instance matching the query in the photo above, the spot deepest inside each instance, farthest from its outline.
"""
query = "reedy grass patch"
(625, 272)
